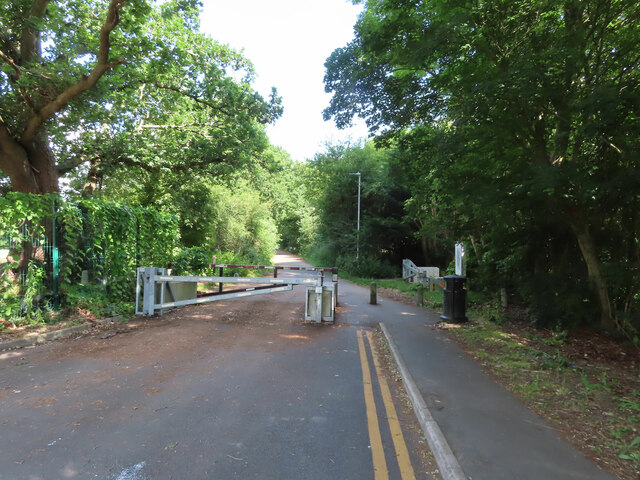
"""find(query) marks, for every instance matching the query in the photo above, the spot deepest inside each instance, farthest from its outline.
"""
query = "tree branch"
(70, 164)
(193, 97)
(86, 82)
(132, 162)
(187, 127)
(8, 45)
(13, 65)
(30, 41)
(17, 78)
(631, 66)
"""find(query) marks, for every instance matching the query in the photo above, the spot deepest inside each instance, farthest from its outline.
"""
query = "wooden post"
(373, 294)
(420, 296)
(504, 299)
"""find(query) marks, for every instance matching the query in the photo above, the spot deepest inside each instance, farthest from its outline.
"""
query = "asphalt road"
(239, 389)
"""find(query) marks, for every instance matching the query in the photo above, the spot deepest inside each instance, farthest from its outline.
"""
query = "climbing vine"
(108, 240)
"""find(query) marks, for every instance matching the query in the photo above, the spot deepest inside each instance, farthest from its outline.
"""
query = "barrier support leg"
(149, 291)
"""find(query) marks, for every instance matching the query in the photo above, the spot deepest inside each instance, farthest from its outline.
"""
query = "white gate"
(427, 276)
(153, 285)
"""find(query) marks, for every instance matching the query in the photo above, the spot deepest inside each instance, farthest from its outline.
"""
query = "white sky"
(288, 42)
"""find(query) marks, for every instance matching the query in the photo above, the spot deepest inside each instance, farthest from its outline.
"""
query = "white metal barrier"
(428, 276)
(412, 273)
(153, 285)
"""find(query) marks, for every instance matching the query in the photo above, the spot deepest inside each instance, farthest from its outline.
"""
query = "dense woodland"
(512, 126)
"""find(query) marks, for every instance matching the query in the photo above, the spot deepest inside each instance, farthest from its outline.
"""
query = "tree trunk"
(94, 179)
(425, 250)
(590, 256)
(31, 168)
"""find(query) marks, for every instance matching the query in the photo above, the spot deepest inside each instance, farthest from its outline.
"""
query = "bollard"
(504, 299)
(373, 294)
(420, 296)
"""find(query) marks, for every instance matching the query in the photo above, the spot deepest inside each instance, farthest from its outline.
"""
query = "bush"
(251, 257)
(563, 301)
(367, 267)
(241, 222)
(192, 261)
(93, 300)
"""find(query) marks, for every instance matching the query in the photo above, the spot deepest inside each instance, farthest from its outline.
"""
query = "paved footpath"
(486, 433)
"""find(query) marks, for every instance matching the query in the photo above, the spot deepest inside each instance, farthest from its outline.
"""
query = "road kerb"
(38, 338)
(447, 462)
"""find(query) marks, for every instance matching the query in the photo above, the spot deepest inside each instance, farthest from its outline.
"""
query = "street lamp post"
(358, 234)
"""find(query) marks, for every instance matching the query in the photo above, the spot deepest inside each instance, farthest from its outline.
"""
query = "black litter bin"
(455, 299)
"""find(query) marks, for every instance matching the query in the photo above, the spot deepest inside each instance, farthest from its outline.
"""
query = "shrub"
(367, 267)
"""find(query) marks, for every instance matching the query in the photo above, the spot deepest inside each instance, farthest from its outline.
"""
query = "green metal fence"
(45, 248)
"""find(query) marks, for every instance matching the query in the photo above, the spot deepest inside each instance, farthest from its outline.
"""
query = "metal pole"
(358, 234)
(55, 258)
(358, 238)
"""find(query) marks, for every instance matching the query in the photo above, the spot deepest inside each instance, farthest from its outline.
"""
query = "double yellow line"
(375, 437)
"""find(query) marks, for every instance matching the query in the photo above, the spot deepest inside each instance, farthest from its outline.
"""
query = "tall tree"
(546, 89)
(333, 188)
(92, 81)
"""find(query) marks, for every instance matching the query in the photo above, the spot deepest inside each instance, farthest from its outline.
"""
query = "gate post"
(149, 292)
(139, 271)
(319, 304)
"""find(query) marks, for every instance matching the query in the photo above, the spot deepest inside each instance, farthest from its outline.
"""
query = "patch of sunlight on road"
(283, 258)
(295, 337)
(7, 355)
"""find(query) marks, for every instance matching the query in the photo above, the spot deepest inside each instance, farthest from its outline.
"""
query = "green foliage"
(515, 122)
(631, 451)
(22, 230)
(158, 96)
(106, 238)
(230, 211)
(9, 291)
(366, 267)
(240, 258)
(33, 287)
(283, 185)
(242, 223)
(92, 300)
(591, 388)
(384, 236)
(122, 238)
(191, 261)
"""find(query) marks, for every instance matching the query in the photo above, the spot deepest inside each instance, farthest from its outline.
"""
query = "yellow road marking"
(377, 451)
(402, 454)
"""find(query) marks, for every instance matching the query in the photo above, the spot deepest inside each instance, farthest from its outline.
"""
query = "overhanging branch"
(86, 82)
(192, 96)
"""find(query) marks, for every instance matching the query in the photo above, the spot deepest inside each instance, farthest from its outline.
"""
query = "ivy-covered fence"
(46, 243)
